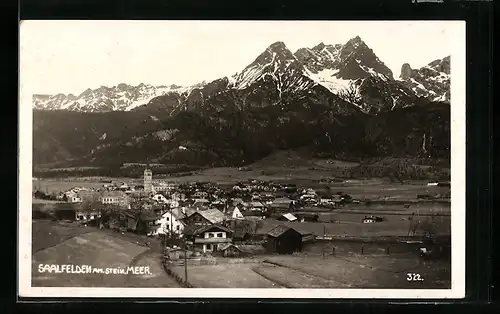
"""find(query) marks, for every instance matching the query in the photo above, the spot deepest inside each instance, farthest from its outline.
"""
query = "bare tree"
(90, 204)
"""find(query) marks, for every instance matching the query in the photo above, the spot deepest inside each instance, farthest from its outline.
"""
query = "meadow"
(313, 271)
(63, 244)
(237, 275)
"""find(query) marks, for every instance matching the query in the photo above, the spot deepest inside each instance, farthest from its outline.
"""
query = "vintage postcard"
(242, 159)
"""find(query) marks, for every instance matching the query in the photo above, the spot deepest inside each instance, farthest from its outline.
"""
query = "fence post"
(362, 249)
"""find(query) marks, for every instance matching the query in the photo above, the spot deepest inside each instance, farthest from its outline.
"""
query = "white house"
(83, 216)
(165, 187)
(160, 198)
(237, 213)
(210, 237)
(170, 222)
(75, 199)
(114, 198)
(72, 197)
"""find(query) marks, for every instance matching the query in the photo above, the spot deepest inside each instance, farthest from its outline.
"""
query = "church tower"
(148, 180)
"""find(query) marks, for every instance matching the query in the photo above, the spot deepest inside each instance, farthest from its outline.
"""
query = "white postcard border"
(458, 206)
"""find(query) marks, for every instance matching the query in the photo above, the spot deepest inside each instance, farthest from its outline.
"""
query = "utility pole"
(411, 230)
(185, 264)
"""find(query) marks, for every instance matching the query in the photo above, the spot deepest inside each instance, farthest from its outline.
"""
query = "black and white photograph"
(255, 159)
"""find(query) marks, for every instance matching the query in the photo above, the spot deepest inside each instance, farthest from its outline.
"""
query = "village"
(204, 220)
(170, 210)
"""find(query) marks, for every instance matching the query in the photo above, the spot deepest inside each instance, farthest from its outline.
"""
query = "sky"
(71, 56)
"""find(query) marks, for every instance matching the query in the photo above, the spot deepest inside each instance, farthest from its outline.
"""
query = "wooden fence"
(179, 279)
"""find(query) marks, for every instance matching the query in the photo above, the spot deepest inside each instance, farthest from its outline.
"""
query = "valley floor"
(66, 244)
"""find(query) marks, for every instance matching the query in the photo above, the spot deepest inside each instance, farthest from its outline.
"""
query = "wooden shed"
(284, 240)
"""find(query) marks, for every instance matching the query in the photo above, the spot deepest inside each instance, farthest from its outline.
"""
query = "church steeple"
(148, 180)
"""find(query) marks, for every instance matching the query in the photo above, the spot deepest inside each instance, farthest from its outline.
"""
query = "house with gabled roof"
(171, 222)
(236, 214)
(208, 238)
(205, 217)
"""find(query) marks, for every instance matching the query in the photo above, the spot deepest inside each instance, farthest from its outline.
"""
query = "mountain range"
(337, 99)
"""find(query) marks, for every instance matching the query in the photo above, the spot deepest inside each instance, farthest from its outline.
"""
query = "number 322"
(413, 277)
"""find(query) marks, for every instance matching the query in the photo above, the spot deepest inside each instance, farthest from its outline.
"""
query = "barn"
(284, 240)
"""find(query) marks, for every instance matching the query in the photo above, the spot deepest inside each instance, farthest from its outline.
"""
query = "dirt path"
(156, 278)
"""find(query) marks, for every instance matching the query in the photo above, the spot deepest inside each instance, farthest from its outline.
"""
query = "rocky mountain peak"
(431, 81)
(88, 91)
(405, 71)
(319, 47)
(441, 65)
(280, 50)
(122, 86)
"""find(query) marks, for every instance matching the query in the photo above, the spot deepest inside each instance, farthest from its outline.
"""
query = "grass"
(380, 190)
(46, 234)
(299, 271)
(371, 271)
(292, 278)
(54, 244)
(225, 276)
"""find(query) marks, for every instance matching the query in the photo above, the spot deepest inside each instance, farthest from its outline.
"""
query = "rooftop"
(113, 194)
(289, 217)
(213, 215)
(279, 230)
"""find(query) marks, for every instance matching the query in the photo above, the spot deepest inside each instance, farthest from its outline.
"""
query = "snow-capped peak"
(274, 61)
(121, 97)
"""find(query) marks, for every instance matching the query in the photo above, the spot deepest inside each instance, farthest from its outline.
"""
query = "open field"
(56, 245)
(238, 275)
(46, 234)
(371, 271)
(419, 208)
(309, 271)
(293, 278)
(382, 190)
